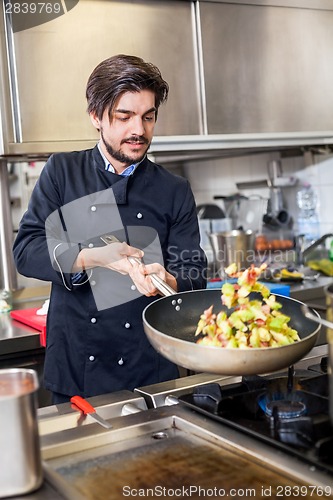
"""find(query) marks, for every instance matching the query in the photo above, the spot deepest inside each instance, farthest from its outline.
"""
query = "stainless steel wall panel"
(267, 69)
(6, 118)
(302, 4)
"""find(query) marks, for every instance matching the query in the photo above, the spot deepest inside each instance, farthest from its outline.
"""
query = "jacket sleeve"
(186, 260)
(35, 254)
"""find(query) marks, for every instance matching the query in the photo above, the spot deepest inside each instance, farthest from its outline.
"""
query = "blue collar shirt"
(128, 170)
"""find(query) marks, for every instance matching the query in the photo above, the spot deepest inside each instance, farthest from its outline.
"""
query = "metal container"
(20, 459)
(329, 302)
(233, 246)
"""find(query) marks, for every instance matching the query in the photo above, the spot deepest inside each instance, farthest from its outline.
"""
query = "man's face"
(126, 138)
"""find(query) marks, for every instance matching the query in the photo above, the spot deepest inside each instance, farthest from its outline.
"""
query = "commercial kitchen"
(249, 122)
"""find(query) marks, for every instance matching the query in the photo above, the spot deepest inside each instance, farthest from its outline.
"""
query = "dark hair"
(119, 74)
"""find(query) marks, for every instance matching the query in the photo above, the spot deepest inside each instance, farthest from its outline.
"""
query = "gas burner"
(283, 408)
(321, 367)
(316, 385)
(285, 405)
(285, 411)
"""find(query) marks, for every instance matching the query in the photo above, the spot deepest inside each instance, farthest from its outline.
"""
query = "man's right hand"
(113, 256)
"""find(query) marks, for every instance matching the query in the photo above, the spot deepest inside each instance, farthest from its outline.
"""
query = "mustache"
(136, 138)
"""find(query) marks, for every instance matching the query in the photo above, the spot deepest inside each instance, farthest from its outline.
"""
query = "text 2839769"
(33, 7)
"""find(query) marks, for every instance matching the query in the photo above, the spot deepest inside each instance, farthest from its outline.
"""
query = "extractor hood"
(239, 142)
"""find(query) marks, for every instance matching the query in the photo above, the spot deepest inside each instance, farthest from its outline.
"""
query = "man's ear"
(95, 120)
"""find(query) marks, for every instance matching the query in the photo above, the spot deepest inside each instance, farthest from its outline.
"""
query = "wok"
(170, 323)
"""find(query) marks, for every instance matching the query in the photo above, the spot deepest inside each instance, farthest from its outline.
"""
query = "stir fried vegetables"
(251, 323)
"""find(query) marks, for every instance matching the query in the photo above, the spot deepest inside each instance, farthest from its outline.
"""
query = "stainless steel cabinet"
(267, 69)
(54, 60)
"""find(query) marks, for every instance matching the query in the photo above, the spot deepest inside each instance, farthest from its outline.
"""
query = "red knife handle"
(83, 404)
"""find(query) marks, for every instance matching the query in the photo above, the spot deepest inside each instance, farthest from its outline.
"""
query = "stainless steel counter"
(20, 347)
(161, 445)
(15, 337)
(310, 289)
(172, 447)
(147, 439)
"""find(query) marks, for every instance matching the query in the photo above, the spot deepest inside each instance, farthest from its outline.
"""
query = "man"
(95, 338)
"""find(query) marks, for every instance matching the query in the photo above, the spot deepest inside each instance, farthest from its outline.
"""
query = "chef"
(95, 338)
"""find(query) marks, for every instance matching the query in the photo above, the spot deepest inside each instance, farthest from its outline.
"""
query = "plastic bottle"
(307, 221)
(6, 301)
(330, 252)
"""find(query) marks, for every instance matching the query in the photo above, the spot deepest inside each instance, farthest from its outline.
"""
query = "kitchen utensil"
(280, 219)
(160, 284)
(88, 409)
(329, 302)
(250, 213)
(20, 460)
(209, 211)
(282, 275)
(314, 277)
(170, 324)
(321, 321)
(233, 246)
(277, 215)
(208, 226)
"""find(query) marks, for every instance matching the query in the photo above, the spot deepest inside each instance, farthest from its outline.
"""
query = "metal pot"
(233, 246)
(20, 459)
(170, 324)
(329, 302)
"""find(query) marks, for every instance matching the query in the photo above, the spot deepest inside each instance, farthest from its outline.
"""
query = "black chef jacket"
(95, 340)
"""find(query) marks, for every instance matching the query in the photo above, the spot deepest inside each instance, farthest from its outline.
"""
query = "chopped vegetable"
(251, 323)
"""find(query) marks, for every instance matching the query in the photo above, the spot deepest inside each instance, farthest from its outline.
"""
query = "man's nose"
(138, 126)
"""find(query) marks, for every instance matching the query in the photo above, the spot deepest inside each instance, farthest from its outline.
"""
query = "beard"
(122, 157)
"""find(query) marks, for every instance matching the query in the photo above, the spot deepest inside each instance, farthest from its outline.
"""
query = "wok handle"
(308, 314)
(160, 284)
(317, 307)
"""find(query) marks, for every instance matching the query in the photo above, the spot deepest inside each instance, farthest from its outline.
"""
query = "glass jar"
(6, 301)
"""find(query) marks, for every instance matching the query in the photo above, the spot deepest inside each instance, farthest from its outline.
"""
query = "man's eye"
(123, 118)
(149, 118)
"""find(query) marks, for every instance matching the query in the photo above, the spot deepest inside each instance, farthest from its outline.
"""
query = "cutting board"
(30, 318)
